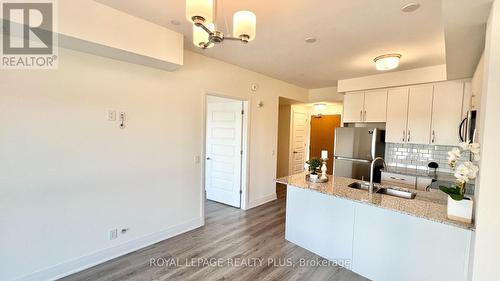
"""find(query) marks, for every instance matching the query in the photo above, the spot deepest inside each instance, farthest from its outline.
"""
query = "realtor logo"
(28, 37)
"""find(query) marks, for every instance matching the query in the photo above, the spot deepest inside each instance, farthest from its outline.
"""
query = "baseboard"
(82, 263)
(261, 201)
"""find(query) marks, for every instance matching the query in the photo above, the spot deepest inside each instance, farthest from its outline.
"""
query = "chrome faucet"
(372, 167)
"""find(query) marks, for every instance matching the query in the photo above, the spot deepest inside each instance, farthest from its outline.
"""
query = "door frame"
(244, 146)
(307, 137)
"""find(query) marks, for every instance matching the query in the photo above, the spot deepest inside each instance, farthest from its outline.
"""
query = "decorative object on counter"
(432, 170)
(314, 164)
(459, 205)
(324, 158)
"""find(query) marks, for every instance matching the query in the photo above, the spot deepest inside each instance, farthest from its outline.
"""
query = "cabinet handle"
(361, 115)
(433, 136)
(404, 135)
(409, 136)
(365, 116)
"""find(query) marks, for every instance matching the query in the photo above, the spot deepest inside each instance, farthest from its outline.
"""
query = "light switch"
(111, 115)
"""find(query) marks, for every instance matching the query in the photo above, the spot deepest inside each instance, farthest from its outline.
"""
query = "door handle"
(409, 136)
(433, 136)
(404, 135)
(208, 158)
(295, 152)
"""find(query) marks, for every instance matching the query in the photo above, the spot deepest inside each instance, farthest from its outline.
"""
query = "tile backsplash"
(417, 156)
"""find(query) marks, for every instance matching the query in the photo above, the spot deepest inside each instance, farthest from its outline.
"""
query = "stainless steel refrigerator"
(355, 149)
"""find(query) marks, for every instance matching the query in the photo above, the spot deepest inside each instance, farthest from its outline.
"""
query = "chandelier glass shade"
(201, 14)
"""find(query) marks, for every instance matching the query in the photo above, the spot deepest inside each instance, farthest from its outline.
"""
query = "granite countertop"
(429, 205)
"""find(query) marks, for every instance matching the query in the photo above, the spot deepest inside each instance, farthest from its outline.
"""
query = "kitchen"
(382, 209)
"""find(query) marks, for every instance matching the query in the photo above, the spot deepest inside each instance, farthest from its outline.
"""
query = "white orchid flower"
(464, 145)
(475, 148)
(467, 170)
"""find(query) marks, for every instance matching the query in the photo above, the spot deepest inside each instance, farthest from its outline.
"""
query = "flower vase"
(460, 210)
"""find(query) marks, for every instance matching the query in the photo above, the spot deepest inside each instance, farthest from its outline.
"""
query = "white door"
(375, 106)
(397, 115)
(299, 141)
(419, 114)
(353, 107)
(224, 151)
(447, 113)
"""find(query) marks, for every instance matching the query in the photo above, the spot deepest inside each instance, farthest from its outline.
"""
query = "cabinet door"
(375, 106)
(353, 107)
(419, 114)
(447, 113)
(397, 115)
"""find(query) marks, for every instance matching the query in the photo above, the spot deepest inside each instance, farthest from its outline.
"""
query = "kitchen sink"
(384, 190)
(396, 193)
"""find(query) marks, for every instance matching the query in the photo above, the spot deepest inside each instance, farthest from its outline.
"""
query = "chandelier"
(205, 34)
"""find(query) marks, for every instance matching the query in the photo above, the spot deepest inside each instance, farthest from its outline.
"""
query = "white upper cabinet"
(375, 106)
(353, 107)
(365, 106)
(397, 115)
(447, 113)
(419, 114)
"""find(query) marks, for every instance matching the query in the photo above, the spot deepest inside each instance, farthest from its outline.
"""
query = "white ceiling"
(350, 33)
(465, 34)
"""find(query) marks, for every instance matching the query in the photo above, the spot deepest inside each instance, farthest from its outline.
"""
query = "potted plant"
(314, 164)
(459, 205)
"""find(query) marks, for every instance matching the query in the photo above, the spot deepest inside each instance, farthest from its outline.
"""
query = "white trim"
(245, 171)
(261, 201)
(67, 268)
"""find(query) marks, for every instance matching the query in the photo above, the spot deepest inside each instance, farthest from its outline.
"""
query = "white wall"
(329, 94)
(68, 175)
(102, 25)
(487, 239)
(477, 84)
(396, 78)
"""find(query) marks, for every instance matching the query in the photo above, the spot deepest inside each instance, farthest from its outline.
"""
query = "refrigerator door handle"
(352, 159)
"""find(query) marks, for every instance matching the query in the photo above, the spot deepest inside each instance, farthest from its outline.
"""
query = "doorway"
(322, 136)
(225, 150)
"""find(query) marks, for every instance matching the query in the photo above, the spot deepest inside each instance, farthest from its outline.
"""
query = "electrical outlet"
(113, 234)
(111, 115)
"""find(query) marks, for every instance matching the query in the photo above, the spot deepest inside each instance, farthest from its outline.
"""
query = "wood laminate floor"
(253, 241)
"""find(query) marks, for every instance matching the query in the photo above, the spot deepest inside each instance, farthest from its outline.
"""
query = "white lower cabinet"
(382, 245)
(390, 246)
(319, 223)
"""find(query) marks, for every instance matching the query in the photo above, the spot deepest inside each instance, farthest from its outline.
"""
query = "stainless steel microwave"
(467, 129)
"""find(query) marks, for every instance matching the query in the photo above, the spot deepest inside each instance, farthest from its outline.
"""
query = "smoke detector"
(410, 7)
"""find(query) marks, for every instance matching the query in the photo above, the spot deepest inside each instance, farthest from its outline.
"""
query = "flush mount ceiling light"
(387, 62)
(410, 7)
(201, 14)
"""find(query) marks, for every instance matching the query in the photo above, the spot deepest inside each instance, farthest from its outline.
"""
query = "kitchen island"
(379, 236)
